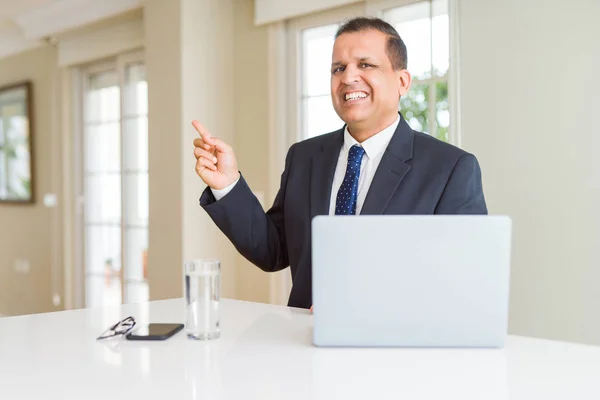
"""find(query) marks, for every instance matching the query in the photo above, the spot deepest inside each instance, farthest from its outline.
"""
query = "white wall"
(163, 66)
(251, 129)
(190, 76)
(208, 96)
(530, 104)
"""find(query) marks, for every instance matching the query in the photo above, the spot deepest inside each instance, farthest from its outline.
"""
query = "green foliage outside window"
(415, 108)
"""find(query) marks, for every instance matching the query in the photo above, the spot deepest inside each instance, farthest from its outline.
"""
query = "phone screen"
(155, 330)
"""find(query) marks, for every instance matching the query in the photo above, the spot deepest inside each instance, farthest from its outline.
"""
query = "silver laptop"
(410, 281)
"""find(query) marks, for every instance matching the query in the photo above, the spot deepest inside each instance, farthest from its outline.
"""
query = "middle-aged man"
(375, 164)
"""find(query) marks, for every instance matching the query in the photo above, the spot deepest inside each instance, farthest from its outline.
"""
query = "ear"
(404, 80)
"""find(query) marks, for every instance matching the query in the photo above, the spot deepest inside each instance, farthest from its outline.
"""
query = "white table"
(265, 352)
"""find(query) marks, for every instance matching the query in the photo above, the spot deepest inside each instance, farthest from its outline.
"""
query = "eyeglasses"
(120, 328)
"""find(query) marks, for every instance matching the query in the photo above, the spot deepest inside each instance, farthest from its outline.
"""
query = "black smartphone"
(154, 332)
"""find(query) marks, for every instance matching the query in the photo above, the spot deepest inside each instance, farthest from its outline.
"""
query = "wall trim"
(280, 282)
(108, 41)
(267, 11)
(455, 131)
(63, 15)
(67, 213)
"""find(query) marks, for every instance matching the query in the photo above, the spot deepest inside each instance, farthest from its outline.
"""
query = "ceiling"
(25, 24)
(13, 7)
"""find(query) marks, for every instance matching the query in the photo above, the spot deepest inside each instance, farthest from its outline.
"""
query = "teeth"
(356, 95)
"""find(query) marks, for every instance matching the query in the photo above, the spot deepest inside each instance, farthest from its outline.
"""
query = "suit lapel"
(322, 172)
(392, 169)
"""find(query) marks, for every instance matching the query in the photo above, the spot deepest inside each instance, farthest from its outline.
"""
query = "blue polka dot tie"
(345, 203)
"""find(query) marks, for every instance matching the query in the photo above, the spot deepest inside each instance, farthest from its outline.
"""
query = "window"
(304, 88)
(310, 45)
(318, 117)
(115, 182)
(424, 27)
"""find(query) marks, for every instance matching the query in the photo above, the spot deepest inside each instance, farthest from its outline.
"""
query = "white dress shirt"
(220, 193)
(374, 148)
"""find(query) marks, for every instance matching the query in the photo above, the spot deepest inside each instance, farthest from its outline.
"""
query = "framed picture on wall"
(16, 131)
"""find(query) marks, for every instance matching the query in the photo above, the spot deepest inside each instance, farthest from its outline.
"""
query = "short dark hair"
(396, 49)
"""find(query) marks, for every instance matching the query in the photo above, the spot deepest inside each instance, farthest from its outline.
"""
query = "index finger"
(204, 134)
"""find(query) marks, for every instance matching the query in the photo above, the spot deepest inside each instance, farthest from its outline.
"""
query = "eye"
(337, 69)
(365, 65)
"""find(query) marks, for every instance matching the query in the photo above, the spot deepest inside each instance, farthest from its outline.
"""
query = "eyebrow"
(359, 59)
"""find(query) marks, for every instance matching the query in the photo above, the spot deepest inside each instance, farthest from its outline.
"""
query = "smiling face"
(365, 88)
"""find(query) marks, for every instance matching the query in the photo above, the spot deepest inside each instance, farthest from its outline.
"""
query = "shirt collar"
(376, 144)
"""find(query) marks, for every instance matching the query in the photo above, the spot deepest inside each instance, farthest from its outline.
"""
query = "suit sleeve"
(463, 193)
(258, 236)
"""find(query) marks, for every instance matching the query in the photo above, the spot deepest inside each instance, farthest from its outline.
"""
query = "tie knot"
(355, 154)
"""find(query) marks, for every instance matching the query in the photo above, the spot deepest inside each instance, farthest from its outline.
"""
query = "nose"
(350, 75)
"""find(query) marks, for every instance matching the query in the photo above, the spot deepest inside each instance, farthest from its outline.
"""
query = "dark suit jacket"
(418, 174)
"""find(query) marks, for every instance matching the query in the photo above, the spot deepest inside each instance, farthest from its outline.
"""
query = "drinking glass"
(202, 294)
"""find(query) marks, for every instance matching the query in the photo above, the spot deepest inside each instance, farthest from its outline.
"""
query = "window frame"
(80, 86)
(372, 8)
(431, 81)
(284, 88)
(295, 28)
(377, 8)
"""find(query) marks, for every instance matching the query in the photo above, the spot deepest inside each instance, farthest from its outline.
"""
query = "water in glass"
(202, 295)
